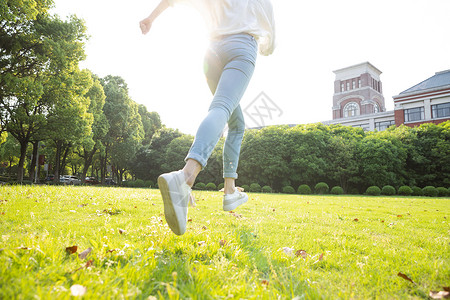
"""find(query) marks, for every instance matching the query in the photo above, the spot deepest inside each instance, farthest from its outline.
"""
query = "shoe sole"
(234, 205)
(169, 211)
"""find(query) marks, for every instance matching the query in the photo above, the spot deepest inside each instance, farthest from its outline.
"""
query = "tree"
(91, 144)
(125, 126)
(68, 121)
(151, 122)
(35, 48)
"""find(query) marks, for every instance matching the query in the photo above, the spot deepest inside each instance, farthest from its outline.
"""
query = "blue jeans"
(229, 65)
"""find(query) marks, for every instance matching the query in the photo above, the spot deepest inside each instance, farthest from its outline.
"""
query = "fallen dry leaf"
(77, 290)
(439, 295)
(85, 253)
(301, 253)
(399, 216)
(400, 274)
(189, 220)
(122, 231)
(71, 250)
(321, 257)
(223, 242)
(201, 243)
(265, 282)
(355, 220)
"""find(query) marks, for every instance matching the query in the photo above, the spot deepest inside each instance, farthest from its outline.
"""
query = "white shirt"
(224, 17)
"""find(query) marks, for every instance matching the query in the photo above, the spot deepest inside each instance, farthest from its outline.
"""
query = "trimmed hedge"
(373, 190)
(405, 190)
(304, 190)
(255, 188)
(211, 186)
(321, 188)
(200, 186)
(388, 190)
(288, 190)
(337, 190)
(220, 186)
(266, 189)
(417, 191)
(442, 192)
(246, 187)
(430, 191)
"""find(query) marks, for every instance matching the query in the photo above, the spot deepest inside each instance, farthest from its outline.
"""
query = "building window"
(342, 87)
(354, 84)
(380, 126)
(359, 83)
(351, 109)
(441, 110)
(414, 114)
(348, 86)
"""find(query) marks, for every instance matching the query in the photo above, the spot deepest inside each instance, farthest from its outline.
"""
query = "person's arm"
(146, 24)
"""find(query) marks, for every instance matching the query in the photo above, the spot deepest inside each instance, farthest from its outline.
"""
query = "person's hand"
(145, 25)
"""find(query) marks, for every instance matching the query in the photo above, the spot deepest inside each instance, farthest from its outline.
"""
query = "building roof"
(438, 80)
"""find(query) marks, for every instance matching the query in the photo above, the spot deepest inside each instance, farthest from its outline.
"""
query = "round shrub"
(246, 187)
(442, 192)
(266, 189)
(255, 188)
(304, 190)
(139, 183)
(211, 187)
(149, 183)
(321, 188)
(337, 190)
(200, 186)
(388, 190)
(417, 191)
(220, 186)
(405, 190)
(430, 191)
(288, 190)
(373, 190)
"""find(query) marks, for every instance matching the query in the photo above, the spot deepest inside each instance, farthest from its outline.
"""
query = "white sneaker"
(176, 195)
(231, 201)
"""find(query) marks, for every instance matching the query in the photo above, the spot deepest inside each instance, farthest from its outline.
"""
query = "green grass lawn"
(354, 247)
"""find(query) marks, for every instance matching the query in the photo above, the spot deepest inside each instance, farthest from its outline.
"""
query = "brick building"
(426, 102)
(358, 100)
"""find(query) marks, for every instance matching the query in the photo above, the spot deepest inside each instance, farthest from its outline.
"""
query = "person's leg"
(240, 54)
(231, 149)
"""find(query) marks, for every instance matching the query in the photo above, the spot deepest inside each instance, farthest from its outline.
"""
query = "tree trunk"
(23, 153)
(88, 156)
(34, 160)
(57, 159)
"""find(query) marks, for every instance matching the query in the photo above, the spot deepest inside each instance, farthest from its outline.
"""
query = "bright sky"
(408, 40)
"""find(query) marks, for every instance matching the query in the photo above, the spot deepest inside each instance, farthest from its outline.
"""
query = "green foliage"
(321, 188)
(337, 190)
(200, 186)
(246, 187)
(211, 186)
(442, 192)
(388, 190)
(255, 188)
(373, 190)
(430, 191)
(417, 191)
(220, 186)
(288, 190)
(405, 190)
(304, 189)
(266, 189)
